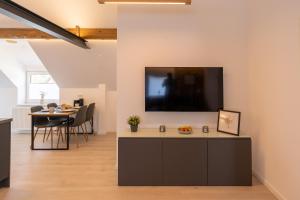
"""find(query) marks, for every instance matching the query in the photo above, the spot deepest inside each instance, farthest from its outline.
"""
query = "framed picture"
(229, 122)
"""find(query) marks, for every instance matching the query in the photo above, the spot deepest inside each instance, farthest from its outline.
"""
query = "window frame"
(28, 82)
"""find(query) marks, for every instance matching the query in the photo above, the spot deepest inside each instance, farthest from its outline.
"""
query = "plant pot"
(134, 129)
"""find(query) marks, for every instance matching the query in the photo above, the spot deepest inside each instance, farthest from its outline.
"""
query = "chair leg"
(66, 133)
(52, 138)
(49, 133)
(86, 131)
(84, 134)
(92, 127)
(36, 133)
(62, 136)
(70, 132)
(45, 133)
(59, 134)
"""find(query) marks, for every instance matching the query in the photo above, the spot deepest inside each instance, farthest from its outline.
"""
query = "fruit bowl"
(186, 130)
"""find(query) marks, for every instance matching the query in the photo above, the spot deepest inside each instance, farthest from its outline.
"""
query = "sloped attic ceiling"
(6, 22)
(70, 66)
(69, 13)
(21, 52)
(74, 67)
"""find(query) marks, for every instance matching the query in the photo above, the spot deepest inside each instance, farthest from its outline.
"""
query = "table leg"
(32, 132)
(68, 133)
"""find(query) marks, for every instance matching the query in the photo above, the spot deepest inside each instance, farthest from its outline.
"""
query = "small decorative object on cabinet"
(205, 129)
(162, 128)
(134, 122)
(229, 122)
(185, 130)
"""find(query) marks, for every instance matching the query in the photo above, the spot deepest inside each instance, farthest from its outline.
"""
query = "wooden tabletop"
(48, 114)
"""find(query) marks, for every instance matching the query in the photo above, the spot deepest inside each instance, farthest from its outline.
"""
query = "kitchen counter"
(5, 120)
(5, 140)
(173, 133)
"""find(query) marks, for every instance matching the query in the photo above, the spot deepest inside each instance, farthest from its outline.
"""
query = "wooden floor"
(90, 173)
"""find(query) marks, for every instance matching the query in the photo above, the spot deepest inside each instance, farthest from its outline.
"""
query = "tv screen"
(183, 89)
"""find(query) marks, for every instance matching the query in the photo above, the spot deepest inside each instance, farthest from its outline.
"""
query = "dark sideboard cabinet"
(5, 140)
(140, 162)
(184, 162)
(229, 162)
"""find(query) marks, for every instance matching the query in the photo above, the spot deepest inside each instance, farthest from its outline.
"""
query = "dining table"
(64, 114)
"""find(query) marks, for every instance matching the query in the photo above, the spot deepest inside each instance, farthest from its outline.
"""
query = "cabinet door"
(4, 151)
(140, 162)
(185, 162)
(229, 162)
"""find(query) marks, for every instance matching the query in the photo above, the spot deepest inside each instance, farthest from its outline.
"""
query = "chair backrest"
(90, 112)
(36, 108)
(38, 119)
(80, 116)
(52, 105)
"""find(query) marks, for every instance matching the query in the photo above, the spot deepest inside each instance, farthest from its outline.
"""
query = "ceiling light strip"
(160, 2)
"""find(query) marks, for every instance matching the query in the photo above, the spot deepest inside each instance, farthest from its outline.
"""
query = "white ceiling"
(21, 52)
(69, 13)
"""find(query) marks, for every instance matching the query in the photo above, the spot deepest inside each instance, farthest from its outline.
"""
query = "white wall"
(15, 72)
(98, 96)
(8, 98)
(208, 33)
(111, 112)
(274, 74)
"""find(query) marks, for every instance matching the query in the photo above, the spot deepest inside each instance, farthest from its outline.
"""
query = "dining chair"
(43, 122)
(75, 124)
(58, 119)
(52, 105)
(89, 117)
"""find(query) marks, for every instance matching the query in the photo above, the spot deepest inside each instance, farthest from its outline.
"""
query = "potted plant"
(134, 122)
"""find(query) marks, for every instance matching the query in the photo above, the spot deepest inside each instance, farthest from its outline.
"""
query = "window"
(38, 83)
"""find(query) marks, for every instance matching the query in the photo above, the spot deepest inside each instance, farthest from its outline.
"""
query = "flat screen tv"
(183, 89)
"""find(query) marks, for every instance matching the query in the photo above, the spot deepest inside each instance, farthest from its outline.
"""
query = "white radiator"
(21, 119)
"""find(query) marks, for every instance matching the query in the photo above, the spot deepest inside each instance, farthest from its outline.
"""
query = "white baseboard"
(276, 193)
(21, 131)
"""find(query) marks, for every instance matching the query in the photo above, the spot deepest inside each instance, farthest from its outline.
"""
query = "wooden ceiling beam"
(85, 33)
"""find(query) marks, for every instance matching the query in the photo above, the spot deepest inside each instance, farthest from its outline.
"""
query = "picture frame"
(229, 122)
